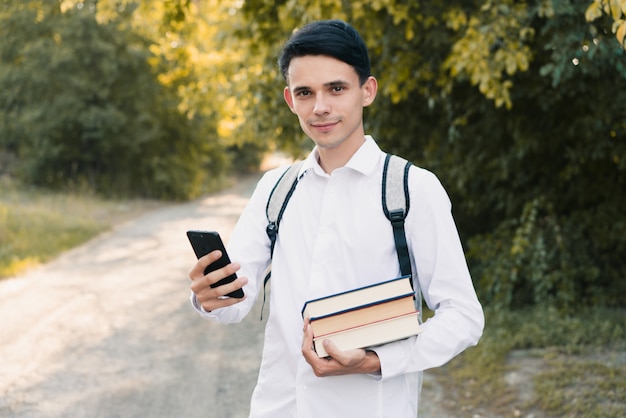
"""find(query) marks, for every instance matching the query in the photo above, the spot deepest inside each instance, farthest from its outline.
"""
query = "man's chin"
(324, 143)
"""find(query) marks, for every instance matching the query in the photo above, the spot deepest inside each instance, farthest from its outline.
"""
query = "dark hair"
(333, 38)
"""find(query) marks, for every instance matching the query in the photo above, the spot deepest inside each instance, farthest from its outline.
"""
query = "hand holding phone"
(203, 242)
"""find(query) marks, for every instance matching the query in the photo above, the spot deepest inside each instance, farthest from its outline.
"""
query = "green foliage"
(491, 49)
(514, 105)
(562, 153)
(83, 106)
(548, 260)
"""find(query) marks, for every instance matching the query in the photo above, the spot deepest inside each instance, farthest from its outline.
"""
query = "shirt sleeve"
(444, 280)
(249, 246)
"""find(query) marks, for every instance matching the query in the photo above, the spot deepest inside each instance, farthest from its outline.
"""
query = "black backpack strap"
(396, 203)
(276, 204)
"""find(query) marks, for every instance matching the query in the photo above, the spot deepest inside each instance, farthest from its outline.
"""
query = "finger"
(307, 344)
(225, 289)
(307, 338)
(198, 269)
(204, 292)
(214, 304)
(201, 283)
(349, 358)
(217, 275)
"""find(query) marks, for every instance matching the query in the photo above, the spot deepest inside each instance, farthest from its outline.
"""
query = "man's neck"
(331, 159)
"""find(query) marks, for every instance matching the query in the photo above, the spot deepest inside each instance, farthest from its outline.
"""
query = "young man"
(334, 237)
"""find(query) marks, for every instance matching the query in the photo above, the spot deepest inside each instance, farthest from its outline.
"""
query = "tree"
(515, 105)
(90, 100)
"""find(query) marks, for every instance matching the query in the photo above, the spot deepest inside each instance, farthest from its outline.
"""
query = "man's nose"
(321, 105)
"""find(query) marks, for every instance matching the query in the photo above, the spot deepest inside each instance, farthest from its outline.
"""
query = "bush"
(548, 259)
(82, 107)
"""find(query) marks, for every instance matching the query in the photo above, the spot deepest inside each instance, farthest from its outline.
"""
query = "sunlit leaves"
(619, 27)
(455, 18)
(491, 48)
(614, 8)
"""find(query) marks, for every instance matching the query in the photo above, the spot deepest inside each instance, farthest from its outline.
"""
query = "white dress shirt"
(334, 237)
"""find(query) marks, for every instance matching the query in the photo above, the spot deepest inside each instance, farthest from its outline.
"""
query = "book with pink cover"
(373, 334)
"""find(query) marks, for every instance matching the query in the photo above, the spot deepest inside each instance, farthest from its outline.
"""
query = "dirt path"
(106, 330)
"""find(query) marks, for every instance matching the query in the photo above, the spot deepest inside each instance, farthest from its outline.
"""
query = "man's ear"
(288, 98)
(370, 87)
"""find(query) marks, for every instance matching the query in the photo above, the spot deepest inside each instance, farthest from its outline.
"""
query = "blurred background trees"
(517, 106)
(112, 96)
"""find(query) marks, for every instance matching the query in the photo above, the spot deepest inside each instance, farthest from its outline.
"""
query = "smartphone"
(203, 242)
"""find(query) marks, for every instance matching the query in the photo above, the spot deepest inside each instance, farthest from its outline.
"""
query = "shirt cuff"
(198, 307)
(378, 375)
(393, 357)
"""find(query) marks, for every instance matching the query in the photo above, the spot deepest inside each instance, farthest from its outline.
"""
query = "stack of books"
(364, 317)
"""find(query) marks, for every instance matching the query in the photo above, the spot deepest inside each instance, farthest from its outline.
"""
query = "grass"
(37, 225)
(575, 365)
(588, 384)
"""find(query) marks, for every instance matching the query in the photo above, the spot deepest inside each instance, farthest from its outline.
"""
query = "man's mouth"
(324, 126)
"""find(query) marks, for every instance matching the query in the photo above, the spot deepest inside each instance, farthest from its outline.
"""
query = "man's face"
(328, 99)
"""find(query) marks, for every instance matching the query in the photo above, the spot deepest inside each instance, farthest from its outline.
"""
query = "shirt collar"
(364, 160)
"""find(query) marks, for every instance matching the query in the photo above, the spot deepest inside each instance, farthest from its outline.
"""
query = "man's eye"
(337, 89)
(303, 93)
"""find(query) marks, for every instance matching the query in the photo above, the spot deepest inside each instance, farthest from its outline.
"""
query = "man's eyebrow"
(334, 83)
(300, 88)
